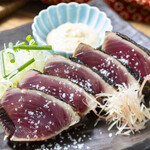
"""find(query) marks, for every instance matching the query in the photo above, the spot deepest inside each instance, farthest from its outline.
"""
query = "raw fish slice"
(128, 52)
(106, 64)
(78, 73)
(60, 88)
(28, 115)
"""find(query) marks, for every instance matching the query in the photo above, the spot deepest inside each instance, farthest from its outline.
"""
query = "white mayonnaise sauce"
(67, 36)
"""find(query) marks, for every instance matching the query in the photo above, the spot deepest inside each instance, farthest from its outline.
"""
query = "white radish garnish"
(125, 108)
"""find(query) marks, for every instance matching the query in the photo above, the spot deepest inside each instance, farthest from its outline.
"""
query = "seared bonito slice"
(61, 88)
(128, 52)
(106, 64)
(29, 115)
(78, 73)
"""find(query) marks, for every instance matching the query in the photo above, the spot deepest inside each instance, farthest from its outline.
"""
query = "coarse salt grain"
(110, 135)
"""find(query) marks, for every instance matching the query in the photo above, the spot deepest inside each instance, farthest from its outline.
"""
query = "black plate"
(87, 136)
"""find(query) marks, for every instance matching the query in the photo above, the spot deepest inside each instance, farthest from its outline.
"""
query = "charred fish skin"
(80, 74)
(129, 69)
(102, 62)
(128, 51)
(30, 115)
(105, 78)
(146, 89)
(6, 122)
(60, 88)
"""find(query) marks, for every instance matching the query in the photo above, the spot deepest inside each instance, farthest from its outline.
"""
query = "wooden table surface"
(26, 14)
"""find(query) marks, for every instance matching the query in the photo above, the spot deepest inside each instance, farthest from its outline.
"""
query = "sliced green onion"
(16, 71)
(12, 56)
(10, 45)
(26, 64)
(22, 43)
(33, 47)
(3, 64)
(31, 41)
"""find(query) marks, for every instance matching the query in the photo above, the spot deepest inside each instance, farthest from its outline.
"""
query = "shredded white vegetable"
(21, 57)
(124, 109)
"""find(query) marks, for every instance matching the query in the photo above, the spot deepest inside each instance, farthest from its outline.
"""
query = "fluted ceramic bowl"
(56, 15)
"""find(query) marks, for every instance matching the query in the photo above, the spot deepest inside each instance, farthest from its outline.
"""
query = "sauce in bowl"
(68, 36)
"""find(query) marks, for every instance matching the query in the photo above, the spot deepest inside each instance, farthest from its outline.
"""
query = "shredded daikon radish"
(125, 110)
(21, 57)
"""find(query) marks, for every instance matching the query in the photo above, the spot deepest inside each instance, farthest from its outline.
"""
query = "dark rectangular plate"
(87, 136)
